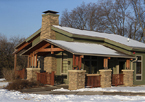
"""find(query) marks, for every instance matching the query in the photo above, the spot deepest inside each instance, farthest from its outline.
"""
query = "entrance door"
(121, 66)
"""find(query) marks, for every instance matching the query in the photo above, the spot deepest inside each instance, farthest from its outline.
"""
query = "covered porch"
(43, 57)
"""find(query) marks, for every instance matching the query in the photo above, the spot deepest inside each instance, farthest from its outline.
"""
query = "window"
(64, 63)
(139, 68)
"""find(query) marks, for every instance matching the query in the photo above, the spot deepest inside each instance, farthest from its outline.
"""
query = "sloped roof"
(87, 49)
(113, 37)
(29, 38)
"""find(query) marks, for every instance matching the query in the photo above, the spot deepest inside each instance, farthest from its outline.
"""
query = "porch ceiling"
(80, 49)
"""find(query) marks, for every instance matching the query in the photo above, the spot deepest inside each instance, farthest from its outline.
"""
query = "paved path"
(47, 90)
(86, 93)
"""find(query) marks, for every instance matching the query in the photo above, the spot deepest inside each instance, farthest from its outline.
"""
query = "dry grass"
(21, 84)
(9, 74)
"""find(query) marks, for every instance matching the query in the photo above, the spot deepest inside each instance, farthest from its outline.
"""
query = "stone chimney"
(49, 18)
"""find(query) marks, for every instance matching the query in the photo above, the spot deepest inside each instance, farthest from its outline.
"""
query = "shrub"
(21, 84)
(9, 74)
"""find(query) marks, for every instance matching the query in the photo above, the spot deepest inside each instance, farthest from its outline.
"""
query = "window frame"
(141, 68)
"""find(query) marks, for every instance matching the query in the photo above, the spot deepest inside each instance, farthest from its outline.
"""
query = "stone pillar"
(128, 77)
(32, 73)
(76, 79)
(105, 78)
(50, 63)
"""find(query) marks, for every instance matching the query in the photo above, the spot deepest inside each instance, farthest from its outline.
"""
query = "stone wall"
(32, 73)
(128, 77)
(76, 79)
(105, 78)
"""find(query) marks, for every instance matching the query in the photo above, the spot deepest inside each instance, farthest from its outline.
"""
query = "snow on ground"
(2, 79)
(140, 89)
(2, 83)
(14, 96)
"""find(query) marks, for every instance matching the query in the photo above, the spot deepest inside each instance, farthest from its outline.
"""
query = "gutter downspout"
(132, 63)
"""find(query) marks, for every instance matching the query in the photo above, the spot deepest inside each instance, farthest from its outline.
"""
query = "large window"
(64, 63)
(139, 68)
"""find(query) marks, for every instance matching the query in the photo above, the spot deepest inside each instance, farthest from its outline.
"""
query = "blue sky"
(23, 17)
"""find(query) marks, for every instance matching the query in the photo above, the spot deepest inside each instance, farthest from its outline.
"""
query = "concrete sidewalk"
(47, 90)
(86, 93)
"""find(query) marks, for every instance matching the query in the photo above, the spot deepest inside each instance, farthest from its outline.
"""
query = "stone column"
(76, 79)
(50, 63)
(105, 78)
(32, 73)
(128, 77)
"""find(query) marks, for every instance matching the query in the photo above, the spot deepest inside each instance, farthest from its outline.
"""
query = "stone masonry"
(128, 77)
(32, 73)
(105, 78)
(48, 20)
(50, 63)
(76, 79)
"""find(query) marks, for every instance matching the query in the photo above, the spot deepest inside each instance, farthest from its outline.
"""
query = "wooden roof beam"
(23, 46)
(50, 50)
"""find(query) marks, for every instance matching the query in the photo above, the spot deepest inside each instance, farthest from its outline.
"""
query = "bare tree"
(139, 12)
(109, 16)
(6, 49)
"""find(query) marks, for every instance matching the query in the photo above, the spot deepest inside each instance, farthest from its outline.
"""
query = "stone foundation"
(76, 79)
(105, 78)
(32, 73)
(128, 77)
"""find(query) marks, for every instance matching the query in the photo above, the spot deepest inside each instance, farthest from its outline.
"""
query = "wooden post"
(80, 62)
(128, 64)
(15, 62)
(28, 62)
(73, 61)
(52, 78)
(77, 61)
(105, 63)
(33, 59)
(36, 61)
(52, 52)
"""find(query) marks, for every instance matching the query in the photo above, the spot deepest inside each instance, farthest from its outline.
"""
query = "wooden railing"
(46, 78)
(93, 80)
(117, 79)
(21, 73)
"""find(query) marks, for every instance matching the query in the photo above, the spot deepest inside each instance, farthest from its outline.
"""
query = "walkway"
(47, 90)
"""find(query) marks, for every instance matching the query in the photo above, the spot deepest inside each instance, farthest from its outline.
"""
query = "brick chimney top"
(50, 11)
